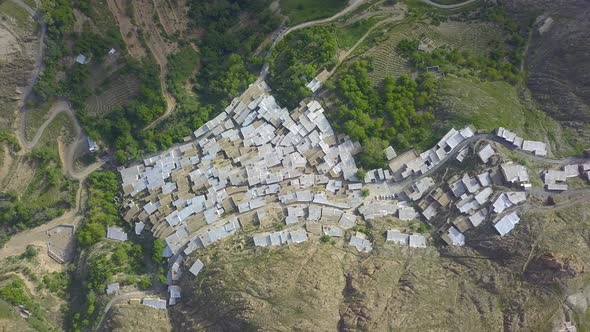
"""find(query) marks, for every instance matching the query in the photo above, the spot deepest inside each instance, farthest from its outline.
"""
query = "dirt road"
(454, 6)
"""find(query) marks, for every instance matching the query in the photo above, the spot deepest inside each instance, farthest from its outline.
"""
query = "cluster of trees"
(103, 192)
(398, 113)
(124, 259)
(233, 30)
(14, 293)
(514, 32)
(297, 59)
(495, 66)
(502, 63)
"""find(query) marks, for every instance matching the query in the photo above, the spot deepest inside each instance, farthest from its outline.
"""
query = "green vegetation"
(127, 263)
(21, 16)
(123, 127)
(122, 262)
(8, 138)
(325, 238)
(501, 63)
(349, 35)
(181, 68)
(103, 190)
(308, 10)
(400, 113)
(496, 66)
(47, 196)
(57, 283)
(15, 293)
(297, 59)
(227, 51)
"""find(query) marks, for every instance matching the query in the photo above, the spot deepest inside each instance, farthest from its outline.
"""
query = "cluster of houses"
(257, 165)
(555, 180)
(535, 147)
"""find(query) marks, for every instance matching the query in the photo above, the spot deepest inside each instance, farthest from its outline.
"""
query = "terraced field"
(117, 94)
(476, 37)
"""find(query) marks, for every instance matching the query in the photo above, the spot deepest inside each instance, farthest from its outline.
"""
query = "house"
(537, 148)
(419, 188)
(455, 237)
(112, 288)
(347, 220)
(116, 233)
(514, 173)
(92, 146)
(555, 180)
(477, 218)
(389, 153)
(112, 51)
(314, 85)
(393, 235)
(507, 223)
(155, 303)
(486, 153)
(360, 242)
(407, 213)
(417, 241)
(173, 294)
(81, 59)
(332, 231)
(196, 267)
(139, 227)
(571, 171)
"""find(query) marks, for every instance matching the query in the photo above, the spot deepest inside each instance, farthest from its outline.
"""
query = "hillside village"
(287, 177)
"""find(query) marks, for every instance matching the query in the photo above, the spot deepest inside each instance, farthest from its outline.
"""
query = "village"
(287, 178)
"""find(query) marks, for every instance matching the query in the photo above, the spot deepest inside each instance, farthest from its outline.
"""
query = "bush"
(14, 293)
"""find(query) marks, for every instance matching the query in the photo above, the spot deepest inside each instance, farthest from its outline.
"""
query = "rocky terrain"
(18, 47)
(556, 61)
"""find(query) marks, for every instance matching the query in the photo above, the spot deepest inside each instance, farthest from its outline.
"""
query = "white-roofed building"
(394, 235)
(332, 231)
(155, 303)
(116, 233)
(538, 148)
(360, 242)
(112, 288)
(417, 241)
(196, 267)
(507, 223)
(486, 153)
(455, 237)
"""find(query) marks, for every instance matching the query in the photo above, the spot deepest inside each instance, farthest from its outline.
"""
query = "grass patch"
(31, 3)
(308, 10)
(6, 311)
(35, 117)
(347, 36)
(22, 17)
(489, 105)
(60, 126)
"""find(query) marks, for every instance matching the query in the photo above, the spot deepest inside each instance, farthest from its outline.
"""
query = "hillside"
(514, 284)
(556, 60)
